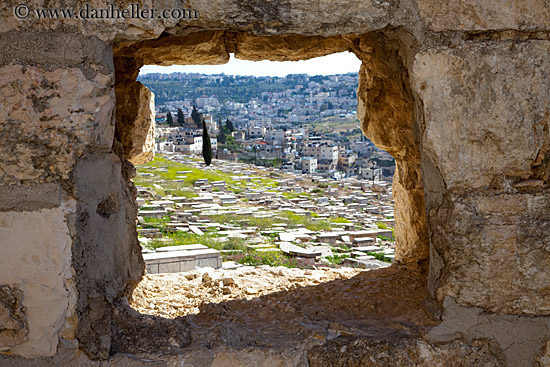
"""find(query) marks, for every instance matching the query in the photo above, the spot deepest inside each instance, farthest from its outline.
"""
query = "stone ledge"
(29, 198)
(182, 260)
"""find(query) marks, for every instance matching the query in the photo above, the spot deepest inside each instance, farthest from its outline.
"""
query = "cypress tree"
(206, 145)
(229, 125)
(169, 119)
(196, 116)
(181, 117)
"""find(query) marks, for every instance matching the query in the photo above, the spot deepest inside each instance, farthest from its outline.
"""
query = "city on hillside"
(292, 183)
(298, 123)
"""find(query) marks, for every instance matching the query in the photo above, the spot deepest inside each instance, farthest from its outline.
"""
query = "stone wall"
(457, 92)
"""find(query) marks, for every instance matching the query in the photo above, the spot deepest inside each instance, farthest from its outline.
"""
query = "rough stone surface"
(456, 91)
(327, 18)
(13, 325)
(135, 125)
(29, 197)
(286, 309)
(50, 118)
(487, 157)
(386, 110)
(135, 333)
(41, 243)
(401, 351)
(543, 359)
(106, 255)
(467, 103)
(480, 15)
(519, 337)
(284, 48)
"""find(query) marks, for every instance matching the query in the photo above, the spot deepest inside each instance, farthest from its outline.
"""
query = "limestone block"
(13, 325)
(49, 118)
(107, 256)
(495, 248)
(402, 350)
(327, 18)
(519, 337)
(486, 110)
(286, 48)
(544, 359)
(485, 147)
(135, 124)
(39, 265)
(386, 110)
(197, 48)
(478, 15)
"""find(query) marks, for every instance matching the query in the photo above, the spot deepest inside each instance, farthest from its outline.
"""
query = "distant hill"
(179, 86)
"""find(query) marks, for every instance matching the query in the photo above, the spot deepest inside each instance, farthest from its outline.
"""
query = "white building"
(367, 174)
(309, 165)
(275, 136)
(256, 132)
(321, 152)
(211, 125)
(202, 102)
(165, 146)
(192, 144)
(188, 144)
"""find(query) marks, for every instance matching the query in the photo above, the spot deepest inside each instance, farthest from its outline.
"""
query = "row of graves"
(357, 240)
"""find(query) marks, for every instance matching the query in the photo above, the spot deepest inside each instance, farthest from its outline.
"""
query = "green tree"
(197, 117)
(206, 145)
(222, 135)
(169, 119)
(181, 117)
(229, 126)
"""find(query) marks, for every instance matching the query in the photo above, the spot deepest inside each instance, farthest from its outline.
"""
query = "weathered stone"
(43, 276)
(135, 125)
(13, 326)
(136, 333)
(474, 122)
(480, 15)
(42, 132)
(197, 48)
(106, 256)
(290, 17)
(386, 110)
(29, 197)
(467, 103)
(478, 141)
(402, 351)
(470, 323)
(286, 48)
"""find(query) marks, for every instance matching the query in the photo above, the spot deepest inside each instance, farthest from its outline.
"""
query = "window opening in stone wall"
(295, 194)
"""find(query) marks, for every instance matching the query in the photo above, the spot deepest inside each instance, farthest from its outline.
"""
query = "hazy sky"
(339, 63)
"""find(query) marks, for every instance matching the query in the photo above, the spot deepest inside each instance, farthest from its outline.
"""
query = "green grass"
(248, 221)
(185, 188)
(296, 219)
(337, 259)
(384, 226)
(208, 240)
(380, 256)
(271, 258)
(293, 195)
(339, 220)
(381, 225)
